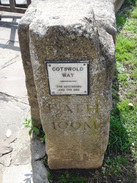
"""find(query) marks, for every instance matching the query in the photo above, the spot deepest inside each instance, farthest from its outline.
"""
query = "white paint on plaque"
(68, 78)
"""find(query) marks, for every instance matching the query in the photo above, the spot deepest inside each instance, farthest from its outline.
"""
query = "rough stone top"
(69, 12)
(66, 13)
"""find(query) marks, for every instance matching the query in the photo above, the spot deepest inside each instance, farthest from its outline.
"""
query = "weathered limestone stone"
(76, 127)
(40, 173)
(23, 31)
(37, 148)
(118, 4)
(38, 152)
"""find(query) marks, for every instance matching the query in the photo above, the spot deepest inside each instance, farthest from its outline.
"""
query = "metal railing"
(12, 6)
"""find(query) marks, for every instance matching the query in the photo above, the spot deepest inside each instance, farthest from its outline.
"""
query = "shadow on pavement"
(12, 25)
(28, 178)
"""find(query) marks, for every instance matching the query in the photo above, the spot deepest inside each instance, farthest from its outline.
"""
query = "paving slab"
(7, 56)
(12, 78)
(12, 115)
(15, 155)
(18, 174)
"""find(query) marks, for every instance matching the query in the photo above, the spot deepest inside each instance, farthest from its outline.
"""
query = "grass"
(131, 26)
(125, 49)
(134, 14)
(120, 162)
(121, 155)
(65, 177)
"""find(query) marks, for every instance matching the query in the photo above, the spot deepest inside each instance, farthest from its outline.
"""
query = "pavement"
(15, 154)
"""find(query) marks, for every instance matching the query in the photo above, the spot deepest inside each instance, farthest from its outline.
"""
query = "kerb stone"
(76, 127)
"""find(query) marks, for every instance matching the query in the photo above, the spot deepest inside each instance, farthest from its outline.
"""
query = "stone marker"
(72, 50)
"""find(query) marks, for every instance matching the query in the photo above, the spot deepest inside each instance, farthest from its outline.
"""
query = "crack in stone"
(10, 62)
(39, 159)
(13, 97)
(13, 141)
(3, 154)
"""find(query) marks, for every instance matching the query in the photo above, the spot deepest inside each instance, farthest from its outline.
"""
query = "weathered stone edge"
(23, 32)
(118, 4)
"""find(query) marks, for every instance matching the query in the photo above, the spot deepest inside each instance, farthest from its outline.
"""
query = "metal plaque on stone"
(68, 77)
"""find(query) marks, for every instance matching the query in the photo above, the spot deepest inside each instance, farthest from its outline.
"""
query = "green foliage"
(122, 17)
(120, 21)
(64, 176)
(42, 138)
(131, 2)
(69, 178)
(134, 13)
(44, 160)
(131, 26)
(122, 78)
(123, 120)
(27, 122)
(114, 165)
(124, 48)
(133, 74)
(37, 129)
(30, 123)
(123, 128)
(128, 117)
(49, 176)
(120, 67)
(118, 137)
(130, 95)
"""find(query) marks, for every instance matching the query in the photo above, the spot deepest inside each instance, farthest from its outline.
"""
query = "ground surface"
(15, 166)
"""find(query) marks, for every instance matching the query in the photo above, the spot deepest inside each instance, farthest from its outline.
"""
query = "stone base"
(95, 162)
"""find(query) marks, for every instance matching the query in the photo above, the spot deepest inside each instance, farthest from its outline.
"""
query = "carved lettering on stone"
(82, 109)
(83, 126)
